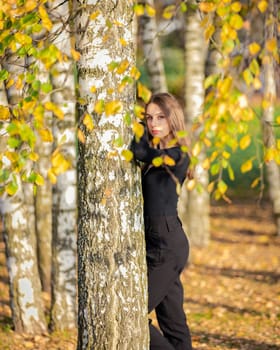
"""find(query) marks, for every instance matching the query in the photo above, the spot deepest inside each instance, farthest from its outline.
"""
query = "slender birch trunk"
(272, 168)
(25, 288)
(64, 291)
(194, 206)
(152, 51)
(111, 254)
(43, 201)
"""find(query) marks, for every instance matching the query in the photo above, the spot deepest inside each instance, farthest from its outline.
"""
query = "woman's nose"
(154, 122)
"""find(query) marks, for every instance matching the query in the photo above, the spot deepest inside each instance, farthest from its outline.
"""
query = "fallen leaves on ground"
(232, 286)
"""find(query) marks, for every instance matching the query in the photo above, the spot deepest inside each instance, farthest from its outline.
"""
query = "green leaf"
(46, 87)
(4, 74)
(13, 142)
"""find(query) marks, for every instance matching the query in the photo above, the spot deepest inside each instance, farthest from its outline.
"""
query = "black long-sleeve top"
(159, 183)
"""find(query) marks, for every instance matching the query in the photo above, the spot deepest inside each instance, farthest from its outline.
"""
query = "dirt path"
(232, 287)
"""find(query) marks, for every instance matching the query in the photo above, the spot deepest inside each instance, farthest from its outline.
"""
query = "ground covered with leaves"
(232, 287)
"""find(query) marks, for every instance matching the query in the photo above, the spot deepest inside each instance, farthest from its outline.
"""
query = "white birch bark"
(111, 254)
(152, 51)
(193, 206)
(24, 283)
(272, 168)
(43, 199)
(64, 303)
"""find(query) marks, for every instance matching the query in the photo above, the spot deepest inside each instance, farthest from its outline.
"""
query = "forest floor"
(232, 287)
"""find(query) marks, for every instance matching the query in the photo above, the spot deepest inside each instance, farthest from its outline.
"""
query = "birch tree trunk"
(64, 291)
(111, 254)
(193, 206)
(43, 200)
(152, 51)
(272, 168)
(24, 282)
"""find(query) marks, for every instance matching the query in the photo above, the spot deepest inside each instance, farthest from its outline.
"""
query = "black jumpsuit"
(167, 247)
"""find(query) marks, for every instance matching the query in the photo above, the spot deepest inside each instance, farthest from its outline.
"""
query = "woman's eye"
(161, 117)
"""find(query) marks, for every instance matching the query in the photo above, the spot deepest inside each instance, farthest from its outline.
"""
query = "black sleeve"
(145, 153)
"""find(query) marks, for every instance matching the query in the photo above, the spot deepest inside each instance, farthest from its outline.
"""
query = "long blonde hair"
(174, 113)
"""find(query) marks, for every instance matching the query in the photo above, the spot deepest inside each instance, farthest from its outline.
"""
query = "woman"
(166, 243)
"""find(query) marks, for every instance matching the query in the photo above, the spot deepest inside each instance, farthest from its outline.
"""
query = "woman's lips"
(156, 131)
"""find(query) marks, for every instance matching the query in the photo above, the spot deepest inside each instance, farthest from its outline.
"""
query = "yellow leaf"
(269, 154)
(113, 107)
(255, 182)
(94, 15)
(10, 83)
(169, 11)
(156, 141)
(99, 106)
(46, 135)
(123, 42)
(209, 31)
(23, 39)
(254, 48)
(93, 89)
(4, 112)
(262, 6)
(207, 6)
(122, 67)
(224, 86)
(271, 45)
(75, 54)
(59, 163)
(46, 22)
(134, 73)
(30, 5)
(247, 76)
(127, 154)
(247, 166)
(143, 92)
(39, 180)
(50, 106)
(236, 21)
(139, 9)
(150, 10)
(33, 156)
(139, 111)
(222, 187)
(157, 161)
(138, 129)
(210, 187)
(88, 122)
(206, 164)
(245, 141)
(236, 6)
(168, 160)
(196, 149)
(278, 119)
(11, 188)
(81, 136)
(52, 176)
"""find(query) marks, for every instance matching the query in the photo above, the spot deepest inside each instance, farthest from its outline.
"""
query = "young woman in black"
(167, 246)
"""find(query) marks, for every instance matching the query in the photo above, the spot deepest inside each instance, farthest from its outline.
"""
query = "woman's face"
(157, 122)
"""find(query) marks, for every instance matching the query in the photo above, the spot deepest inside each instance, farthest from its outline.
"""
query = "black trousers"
(167, 253)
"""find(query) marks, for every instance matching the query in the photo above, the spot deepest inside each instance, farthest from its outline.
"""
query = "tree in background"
(64, 211)
(19, 231)
(111, 255)
(270, 140)
(194, 205)
(151, 48)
